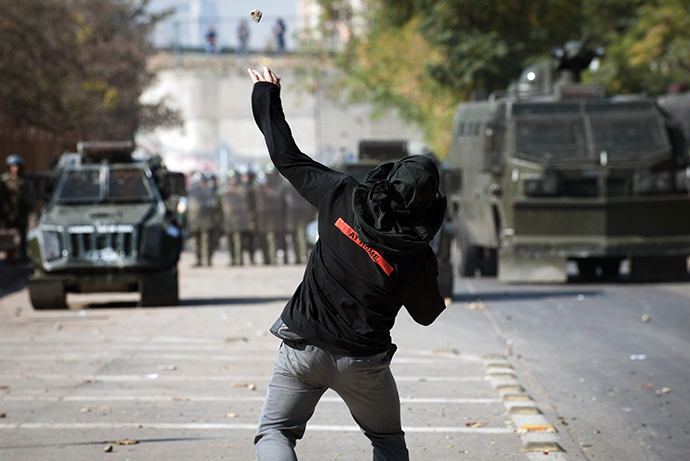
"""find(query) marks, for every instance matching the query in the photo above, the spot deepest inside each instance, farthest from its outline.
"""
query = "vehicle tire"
(467, 254)
(47, 295)
(610, 268)
(658, 268)
(587, 268)
(159, 289)
(489, 266)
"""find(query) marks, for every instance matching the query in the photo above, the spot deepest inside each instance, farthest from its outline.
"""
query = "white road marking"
(177, 398)
(173, 376)
(16, 356)
(252, 427)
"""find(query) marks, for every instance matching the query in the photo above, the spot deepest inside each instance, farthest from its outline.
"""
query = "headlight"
(683, 179)
(549, 185)
(655, 183)
(52, 245)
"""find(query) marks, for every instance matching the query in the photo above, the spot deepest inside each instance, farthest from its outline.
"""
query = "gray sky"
(229, 13)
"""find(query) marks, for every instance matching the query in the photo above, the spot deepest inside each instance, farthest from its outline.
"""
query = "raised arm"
(310, 178)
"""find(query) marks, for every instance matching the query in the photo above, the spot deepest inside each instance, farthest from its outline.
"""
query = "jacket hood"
(399, 208)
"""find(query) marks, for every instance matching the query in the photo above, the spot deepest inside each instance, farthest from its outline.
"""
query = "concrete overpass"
(213, 94)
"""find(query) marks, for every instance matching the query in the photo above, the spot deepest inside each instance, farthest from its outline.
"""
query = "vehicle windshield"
(82, 186)
(85, 185)
(128, 185)
(557, 133)
(550, 139)
(634, 135)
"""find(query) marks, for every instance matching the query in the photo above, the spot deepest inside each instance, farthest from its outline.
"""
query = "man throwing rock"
(372, 258)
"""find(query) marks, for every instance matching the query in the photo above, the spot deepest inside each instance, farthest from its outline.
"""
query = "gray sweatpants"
(303, 373)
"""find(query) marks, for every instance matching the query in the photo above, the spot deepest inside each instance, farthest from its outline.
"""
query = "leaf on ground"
(475, 424)
(127, 442)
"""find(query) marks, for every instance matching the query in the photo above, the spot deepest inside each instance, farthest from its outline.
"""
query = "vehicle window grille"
(580, 187)
(599, 106)
(563, 108)
(617, 187)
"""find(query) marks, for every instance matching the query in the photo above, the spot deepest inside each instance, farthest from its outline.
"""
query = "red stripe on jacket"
(373, 254)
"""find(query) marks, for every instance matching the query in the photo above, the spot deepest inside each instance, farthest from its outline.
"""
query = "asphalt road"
(188, 382)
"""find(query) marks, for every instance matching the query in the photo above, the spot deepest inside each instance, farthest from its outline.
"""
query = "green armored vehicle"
(109, 225)
(553, 170)
(372, 153)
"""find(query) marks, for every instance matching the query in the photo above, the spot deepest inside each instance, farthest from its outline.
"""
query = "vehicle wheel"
(159, 289)
(659, 268)
(50, 295)
(587, 269)
(489, 266)
(467, 254)
(610, 267)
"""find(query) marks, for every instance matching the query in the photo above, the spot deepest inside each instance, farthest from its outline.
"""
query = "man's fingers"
(251, 75)
(268, 76)
(255, 76)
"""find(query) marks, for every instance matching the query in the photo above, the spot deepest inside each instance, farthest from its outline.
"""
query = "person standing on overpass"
(372, 257)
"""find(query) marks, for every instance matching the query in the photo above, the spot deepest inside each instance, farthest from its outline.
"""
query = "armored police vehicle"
(110, 225)
(553, 170)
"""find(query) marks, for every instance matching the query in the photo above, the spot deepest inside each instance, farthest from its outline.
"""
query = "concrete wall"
(214, 96)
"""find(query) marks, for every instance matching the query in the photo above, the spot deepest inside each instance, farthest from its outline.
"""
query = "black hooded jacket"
(354, 286)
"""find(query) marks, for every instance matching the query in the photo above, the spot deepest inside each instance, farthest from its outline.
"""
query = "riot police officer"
(270, 214)
(16, 206)
(299, 213)
(238, 207)
(203, 216)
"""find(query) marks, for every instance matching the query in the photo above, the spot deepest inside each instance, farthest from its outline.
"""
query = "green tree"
(79, 65)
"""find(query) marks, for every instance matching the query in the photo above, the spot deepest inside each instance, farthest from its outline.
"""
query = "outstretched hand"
(268, 76)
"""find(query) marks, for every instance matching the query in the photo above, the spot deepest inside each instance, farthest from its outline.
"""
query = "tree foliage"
(79, 65)
(423, 57)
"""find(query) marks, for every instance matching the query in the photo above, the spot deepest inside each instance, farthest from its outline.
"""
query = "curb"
(539, 437)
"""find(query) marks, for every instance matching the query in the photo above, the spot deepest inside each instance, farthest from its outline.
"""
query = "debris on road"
(664, 390)
(152, 376)
(638, 356)
(256, 15)
(646, 318)
(167, 367)
(88, 380)
(476, 424)
(127, 442)
(249, 386)
(108, 449)
(445, 352)
(236, 339)
(3, 415)
(474, 305)
(231, 415)
(85, 410)
(646, 386)
(580, 297)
